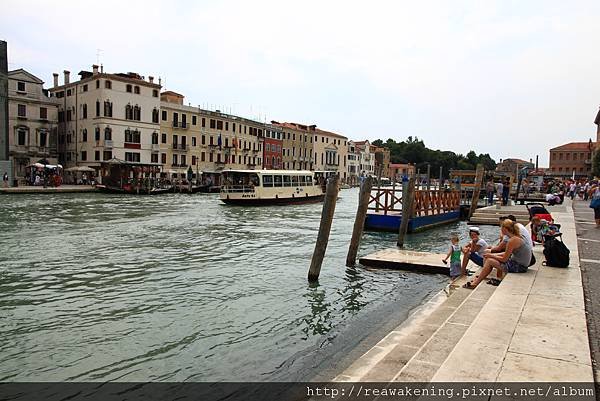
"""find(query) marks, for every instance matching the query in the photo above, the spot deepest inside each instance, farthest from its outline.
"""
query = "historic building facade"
(103, 116)
(331, 153)
(32, 121)
(573, 158)
(273, 147)
(207, 141)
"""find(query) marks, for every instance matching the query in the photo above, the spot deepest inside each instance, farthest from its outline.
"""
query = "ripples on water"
(173, 288)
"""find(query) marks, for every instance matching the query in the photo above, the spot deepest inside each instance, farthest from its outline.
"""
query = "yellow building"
(207, 141)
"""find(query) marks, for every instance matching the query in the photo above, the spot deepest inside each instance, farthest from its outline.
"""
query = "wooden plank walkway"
(401, 259)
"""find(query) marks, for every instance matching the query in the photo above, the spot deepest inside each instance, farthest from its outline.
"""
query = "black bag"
(532, 261)
(556, 252)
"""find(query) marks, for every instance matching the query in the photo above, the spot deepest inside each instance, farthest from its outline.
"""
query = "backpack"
(556, 252)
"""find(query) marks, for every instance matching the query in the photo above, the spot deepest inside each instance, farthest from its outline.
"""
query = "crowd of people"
(513, 252)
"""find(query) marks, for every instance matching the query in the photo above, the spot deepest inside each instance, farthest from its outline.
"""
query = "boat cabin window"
(267, 181)
(301, 181)
(308, 180)
(277, 181)
(295, 180)
(287, 181)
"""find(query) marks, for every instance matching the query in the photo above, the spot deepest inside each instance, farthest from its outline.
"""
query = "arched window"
(108, 84)
(108, 134)
(136, 90)
(97, 133)
(128, 112)
(137, 112)
(128, 88)
(107, 108)
(155, 115)
(155, 138)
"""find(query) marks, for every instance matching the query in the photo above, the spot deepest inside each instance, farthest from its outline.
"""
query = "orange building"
(572, 158)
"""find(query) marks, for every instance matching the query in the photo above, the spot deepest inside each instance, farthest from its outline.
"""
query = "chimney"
(536, 161)
(101, 69)
(151, 79)
(67, 77)
(55, 75)
(95, 69)
(160, 81)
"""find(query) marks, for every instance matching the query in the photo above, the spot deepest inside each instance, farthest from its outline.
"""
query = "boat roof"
(303, 172)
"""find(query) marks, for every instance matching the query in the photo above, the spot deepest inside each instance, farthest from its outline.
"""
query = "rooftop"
(581, 146)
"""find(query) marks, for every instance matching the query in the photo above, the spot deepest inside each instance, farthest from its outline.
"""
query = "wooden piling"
(324, 228)
(476, 189)
(440, 182)
(428, 176)
(408, 194)
(359, 222)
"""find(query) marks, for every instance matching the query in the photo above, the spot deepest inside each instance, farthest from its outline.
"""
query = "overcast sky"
(509, 78)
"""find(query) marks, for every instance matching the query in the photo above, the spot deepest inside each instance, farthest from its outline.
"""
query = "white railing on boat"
(237, 188)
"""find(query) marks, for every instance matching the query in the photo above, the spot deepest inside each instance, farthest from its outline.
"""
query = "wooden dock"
(430, 208)
(401, 259)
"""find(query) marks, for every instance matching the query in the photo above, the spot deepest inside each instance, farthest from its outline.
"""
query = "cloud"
(492, 76)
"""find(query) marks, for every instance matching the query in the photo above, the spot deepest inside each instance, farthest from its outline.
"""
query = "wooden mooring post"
(359, 224)
(408, 195)
(331, 194)
(476, 189)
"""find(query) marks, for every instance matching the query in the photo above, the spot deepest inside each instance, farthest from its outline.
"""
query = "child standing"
(454, 255)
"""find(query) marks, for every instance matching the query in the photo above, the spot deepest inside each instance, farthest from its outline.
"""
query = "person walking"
(5, 180)
(489, 190)
(506, 192)
(595, 204)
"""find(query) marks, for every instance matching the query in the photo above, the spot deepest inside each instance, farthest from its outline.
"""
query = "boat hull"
(273, 201)
(115, 190)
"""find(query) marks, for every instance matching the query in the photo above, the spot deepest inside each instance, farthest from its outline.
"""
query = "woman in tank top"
(515, 259)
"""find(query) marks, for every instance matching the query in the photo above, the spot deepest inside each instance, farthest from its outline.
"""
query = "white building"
(32, 123)
(366, 157)
(103, 116)
(353, 164)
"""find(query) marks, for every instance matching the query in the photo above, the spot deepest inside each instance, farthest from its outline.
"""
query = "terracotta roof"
(396, 165)
(582, 146)
(520, 161)
(171, 93)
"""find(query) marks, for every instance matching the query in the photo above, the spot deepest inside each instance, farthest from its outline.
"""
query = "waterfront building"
(353, 164)
(400, 170)
(366, 157)
(207, 141)
(273, 147)
(511, 166)
(106, 115)
(32, 123)
(573, 158)
(331, 153)
(382, 159)
(297, 145)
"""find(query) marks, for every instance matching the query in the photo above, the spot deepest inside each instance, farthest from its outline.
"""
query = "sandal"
(494, 281)
(468, 285)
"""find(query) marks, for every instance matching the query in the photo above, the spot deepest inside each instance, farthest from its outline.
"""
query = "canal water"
(98, 287)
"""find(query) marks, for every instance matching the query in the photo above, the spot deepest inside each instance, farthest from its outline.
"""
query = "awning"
(80, 168)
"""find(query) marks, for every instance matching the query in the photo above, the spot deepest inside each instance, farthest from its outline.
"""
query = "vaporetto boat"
(270, 187)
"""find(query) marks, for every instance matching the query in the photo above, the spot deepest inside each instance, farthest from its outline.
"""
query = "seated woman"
(515, 258)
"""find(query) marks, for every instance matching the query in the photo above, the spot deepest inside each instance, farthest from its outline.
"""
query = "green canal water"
(97, 287)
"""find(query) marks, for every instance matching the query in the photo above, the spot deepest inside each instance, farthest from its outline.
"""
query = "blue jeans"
(477, 259)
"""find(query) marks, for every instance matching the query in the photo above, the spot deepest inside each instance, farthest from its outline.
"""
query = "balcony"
(108, 143)
(180, 124)
(155, 147)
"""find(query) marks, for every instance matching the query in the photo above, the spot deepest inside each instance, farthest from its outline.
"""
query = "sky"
(508, 78)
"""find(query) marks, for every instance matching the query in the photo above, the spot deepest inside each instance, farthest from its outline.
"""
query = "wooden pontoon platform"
(401, 259)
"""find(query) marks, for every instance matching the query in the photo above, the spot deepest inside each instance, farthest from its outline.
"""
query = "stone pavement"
(530, 328)
(589, 257)
(48, 190)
